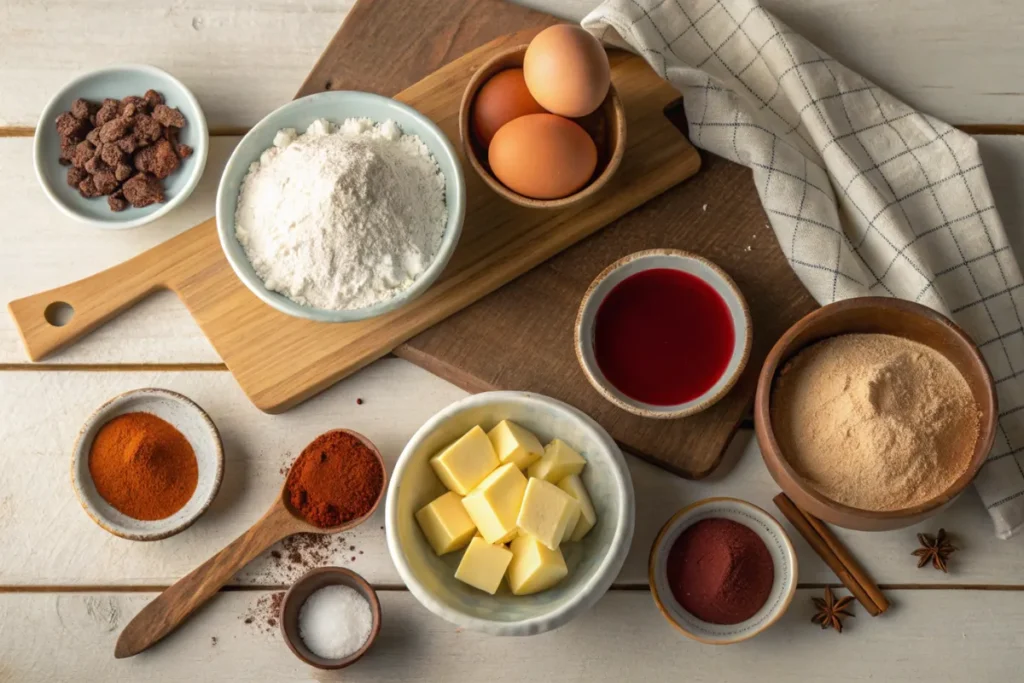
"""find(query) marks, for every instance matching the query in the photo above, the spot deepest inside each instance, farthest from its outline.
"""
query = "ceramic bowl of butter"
(341, 206)
(481, 577)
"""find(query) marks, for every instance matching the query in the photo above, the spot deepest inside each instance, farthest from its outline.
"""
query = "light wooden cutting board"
(279, 360)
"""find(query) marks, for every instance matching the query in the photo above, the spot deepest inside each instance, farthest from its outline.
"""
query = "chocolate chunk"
(93, 136)
(87, 189)
(108, 111)
(67, 150)
(70, 127)
(138, 105)
(146, 128)
(160, 159)
(128, 145)
(115, 129)
(76, 175)
(95, 165)
(143, 189)
(153, 97)
(105, 182)
(83, 154)
(168, 116)
(112, 155)
(83, 109)
(123, 172)
(184, 151)
(117, 202)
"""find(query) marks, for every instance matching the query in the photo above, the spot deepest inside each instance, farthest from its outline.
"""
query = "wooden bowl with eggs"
(606, 126)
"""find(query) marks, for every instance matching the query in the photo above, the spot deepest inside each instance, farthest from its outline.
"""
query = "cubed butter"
(465, 463)
(574, 518)
(573, 485)
(546, 512)
(445, 523)
(515, 444)
(534, 567)
(494, 504)
(483, 565)
(558, 462)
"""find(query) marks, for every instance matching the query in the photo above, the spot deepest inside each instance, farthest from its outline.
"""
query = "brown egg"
(502, 98)
(567, 71)
(542, 156)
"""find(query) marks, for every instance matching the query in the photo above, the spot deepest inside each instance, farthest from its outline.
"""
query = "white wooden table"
(67, 587)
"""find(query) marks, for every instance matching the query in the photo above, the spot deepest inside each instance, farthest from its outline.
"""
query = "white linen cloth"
(866, 195)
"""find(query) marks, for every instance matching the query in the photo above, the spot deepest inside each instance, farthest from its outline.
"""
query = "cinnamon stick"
(835, 555)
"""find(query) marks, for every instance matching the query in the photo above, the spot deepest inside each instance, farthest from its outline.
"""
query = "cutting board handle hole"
(59, 313)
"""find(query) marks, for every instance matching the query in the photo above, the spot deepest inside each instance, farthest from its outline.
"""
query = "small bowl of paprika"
(722, 570)
(147, 464)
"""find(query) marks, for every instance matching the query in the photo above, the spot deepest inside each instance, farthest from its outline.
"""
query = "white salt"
(335, 621)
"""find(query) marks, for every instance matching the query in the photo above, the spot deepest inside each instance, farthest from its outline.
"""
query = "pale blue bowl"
(119, 82)
(336, 106)
(593, 562)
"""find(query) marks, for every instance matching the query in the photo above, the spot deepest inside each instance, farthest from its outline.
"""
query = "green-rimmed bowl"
(336, 106)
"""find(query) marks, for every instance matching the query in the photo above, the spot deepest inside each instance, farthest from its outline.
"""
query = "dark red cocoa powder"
(720, 571)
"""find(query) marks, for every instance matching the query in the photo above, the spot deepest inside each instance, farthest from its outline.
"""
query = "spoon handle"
(175, 604)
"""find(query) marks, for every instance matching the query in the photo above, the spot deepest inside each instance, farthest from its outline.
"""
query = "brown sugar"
(874, 421)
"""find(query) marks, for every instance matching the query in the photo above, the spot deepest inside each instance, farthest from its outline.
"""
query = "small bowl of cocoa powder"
(121, 146)
(874, 413)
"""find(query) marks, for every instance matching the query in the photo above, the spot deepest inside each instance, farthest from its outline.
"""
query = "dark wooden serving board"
(521, 336)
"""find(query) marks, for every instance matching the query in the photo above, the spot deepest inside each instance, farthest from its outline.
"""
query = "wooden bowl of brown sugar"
(912, 395)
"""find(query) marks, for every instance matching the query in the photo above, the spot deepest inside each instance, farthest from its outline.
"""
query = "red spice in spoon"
(720, 571)
(336, 478)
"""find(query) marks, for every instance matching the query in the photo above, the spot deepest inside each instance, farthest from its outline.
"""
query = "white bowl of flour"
(341, 206)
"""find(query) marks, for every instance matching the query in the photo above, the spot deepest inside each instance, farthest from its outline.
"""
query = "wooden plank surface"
(623, 638)
(961, 61)
(63, 547)
(56, 249)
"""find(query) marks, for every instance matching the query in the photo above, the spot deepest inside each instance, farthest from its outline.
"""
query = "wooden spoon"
(175, 604)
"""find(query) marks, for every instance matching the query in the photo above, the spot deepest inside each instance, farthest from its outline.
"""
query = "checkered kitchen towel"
(866, 195)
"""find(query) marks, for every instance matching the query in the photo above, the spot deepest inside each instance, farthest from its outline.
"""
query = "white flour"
(344, 216)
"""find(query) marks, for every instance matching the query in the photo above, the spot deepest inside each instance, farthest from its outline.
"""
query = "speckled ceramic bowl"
(593, 562)
(118, 82)
(336, 106)
(761, 523)
(676, 260)
(189, 419)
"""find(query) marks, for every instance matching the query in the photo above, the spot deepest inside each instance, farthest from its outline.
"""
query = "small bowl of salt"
(330, 617)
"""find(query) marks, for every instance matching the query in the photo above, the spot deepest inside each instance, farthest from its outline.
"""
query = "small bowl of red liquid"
(663, 333)
(722, 570)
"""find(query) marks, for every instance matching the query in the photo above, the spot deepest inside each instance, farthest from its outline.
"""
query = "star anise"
(935, 549)
(831, 611)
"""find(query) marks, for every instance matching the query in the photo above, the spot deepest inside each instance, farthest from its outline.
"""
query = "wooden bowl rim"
(294, 639)
(481, 75)
(769, 446)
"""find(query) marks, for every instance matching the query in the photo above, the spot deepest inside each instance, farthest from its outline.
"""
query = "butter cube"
(573, 485)
(546, 512)
(483, 565)
(557, 463)
(515, 444)
(494, 504)
(534, 567)
(445, 523)
(465, 463)
(574, 519)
